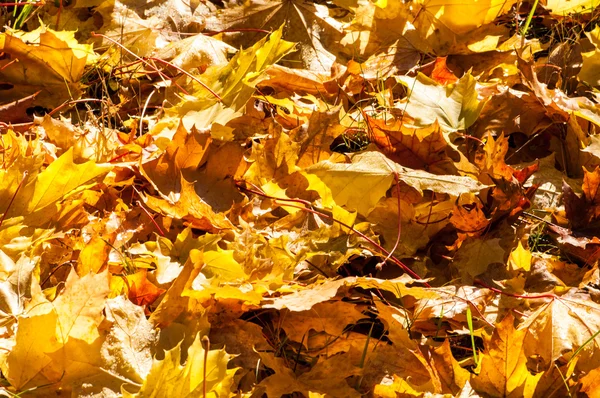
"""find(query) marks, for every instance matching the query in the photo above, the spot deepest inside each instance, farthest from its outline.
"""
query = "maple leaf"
(218, 275)
(304, 22)
(441, 73)
(46, 339)
(562, 325)
(323, 128)
(512, 111)
(50, 61)
(93, 257)
(520, 258)
(174, 304)
(243, 339)
(41, 190)
(204, 372)
(412, 147)
(140, 290)
(583, 212)
(29, 356)
(503, 371)
(371, 174)
(127, 350)
(560, 8)
(15, 286)
(233, 83)
(455, 106)
(459, 17)
(186, 152)
(327, 376)
(191, 208)
(474, 256)
(331, 318)
(400, 387)
(590, 383)
(468, 216)
(418, 223)
(305, 299)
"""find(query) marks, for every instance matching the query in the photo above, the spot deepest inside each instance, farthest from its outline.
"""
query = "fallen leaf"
(331, 318)
(441, 73)
(204, 370)
(520, 259)
(474, 256)
(562, 325)
(140, 290)
(371, 174)
(190, 207)
(327, 376)
(127, 350)
(504, 374)
(306, 23)
(455, 107)
(50, 61)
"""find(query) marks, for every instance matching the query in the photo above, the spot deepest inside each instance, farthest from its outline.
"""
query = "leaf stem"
(528, 297)
(19, 4)
(239, 30)
(160, 231)
(206, 346)
(189, 75)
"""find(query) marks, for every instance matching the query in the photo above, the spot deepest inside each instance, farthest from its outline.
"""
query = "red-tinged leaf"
(416, 148)
(524, 174)
(468, 217)
(141, 291)
(441, 73)
(584, 212)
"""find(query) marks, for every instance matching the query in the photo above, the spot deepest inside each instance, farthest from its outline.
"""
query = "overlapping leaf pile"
(374, 199)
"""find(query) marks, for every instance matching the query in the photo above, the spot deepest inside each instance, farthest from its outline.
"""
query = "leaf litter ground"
(292, 198)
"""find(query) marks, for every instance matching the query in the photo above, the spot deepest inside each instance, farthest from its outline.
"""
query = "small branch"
(237, 31)
(200, 82)
(17, 4)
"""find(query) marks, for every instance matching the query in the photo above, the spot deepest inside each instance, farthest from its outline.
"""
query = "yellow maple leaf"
(520, 259)
(62, 178)
(503, 371)
(234, 83)
(48, 60)
(49, 340)
(204, 373)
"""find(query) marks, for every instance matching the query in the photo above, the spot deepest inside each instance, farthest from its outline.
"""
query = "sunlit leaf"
(504, 370)
(454, 106)
(204, 371)
(45, 60)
